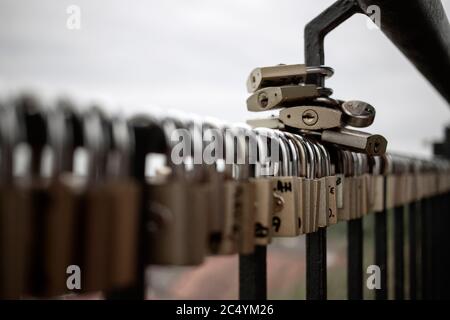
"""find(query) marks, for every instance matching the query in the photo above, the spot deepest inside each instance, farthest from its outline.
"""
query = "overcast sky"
(195, 56)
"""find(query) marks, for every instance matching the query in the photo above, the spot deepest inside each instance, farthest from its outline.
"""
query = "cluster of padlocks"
(308, 108)
(112, 214)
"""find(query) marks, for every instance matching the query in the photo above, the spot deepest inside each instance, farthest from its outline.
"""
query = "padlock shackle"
(96, 141)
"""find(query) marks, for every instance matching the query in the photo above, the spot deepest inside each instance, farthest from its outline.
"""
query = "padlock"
(264, 208)
(321, 197)
(15, 226)
(311, 189)
(310, 117)
(94, 210)
(344, 166)
(357, 113)
(123, 195)
(303, 184)
(270, 123)
(239, 233)
(220, 222)
(59, 217)
(330, 182)
(371, 144)
(245, 195)
(283, 75)
(285, 221)
(264, 199)
(378, 183)
(286, 96)
(177, 229)
(297, 169)
(51, 202)
(389, 188)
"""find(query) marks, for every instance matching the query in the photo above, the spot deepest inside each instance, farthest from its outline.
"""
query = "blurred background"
(194, 56)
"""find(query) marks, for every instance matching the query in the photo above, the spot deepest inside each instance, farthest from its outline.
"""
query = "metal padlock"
(344, 167)
(59, 217)
(310, 117)
(330, 180)
(322, 194)
(177, 229)
(311, 188)
(93, 256)
(299, 171)
(285, 221)
(286, 96)
(245, 204)
(263, 192)
(283, 75)
(264, 208)
(123, 195)
(371, 144)
(357, 113)
(15, 226)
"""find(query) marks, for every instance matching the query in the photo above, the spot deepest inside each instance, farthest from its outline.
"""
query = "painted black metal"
(426, 250)
(381, 250)
(413, 212)
(316, 265)
(314, 34)
(399, 254)
(253, 275)
(421, 31)
(355, 259)
(319, 27)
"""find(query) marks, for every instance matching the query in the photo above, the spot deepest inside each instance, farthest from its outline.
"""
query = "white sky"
(195, 56)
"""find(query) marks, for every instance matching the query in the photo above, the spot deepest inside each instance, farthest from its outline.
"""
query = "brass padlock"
(286, 96)
(124, 200)
(15, 226)
(285, 221)
(283, 75)
(177, 220)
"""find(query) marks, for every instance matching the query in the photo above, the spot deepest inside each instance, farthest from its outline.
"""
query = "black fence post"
(316, 265)
(355, 259)
(381, 248)
(399, 261)
(253, 275)
(413, 211)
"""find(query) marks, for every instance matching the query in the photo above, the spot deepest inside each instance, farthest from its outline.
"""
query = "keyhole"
(263, 100)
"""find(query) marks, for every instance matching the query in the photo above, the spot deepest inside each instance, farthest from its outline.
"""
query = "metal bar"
(253, 275)
(426, 252)
(413, 213)
(316, 265)
(355, 259)
(381, 253)
(437, 255)
(314, 34)
(419, 227)
(445, 240)
(421, 31)
(399, 262)
(381, 248)
(317, 29)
